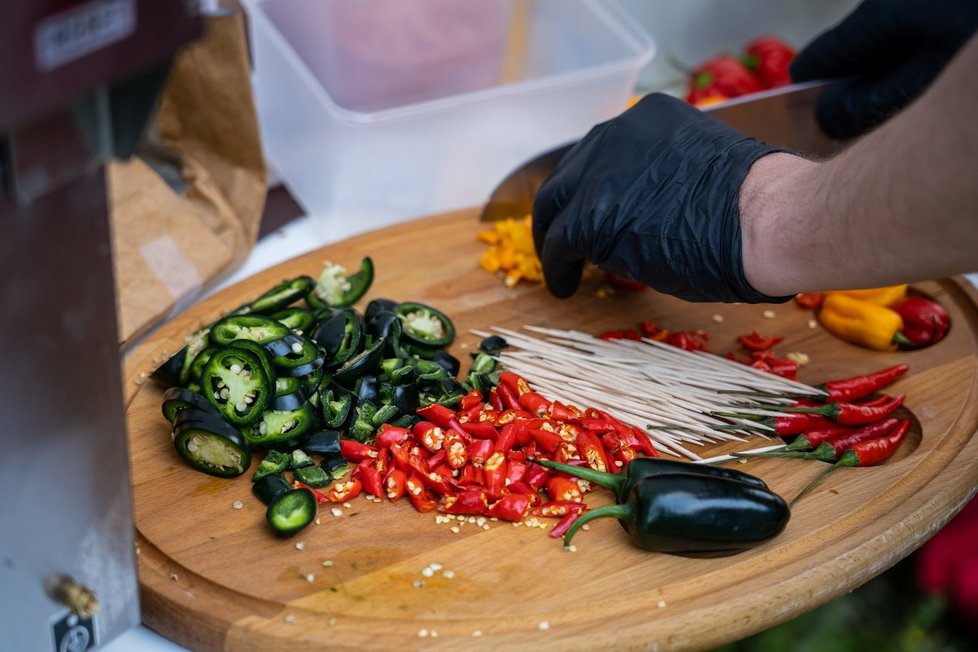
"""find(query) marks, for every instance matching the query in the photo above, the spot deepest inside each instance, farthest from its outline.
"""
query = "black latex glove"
(653, 196)
(888, 51)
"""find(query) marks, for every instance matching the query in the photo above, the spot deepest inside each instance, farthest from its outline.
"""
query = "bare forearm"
(901, 205)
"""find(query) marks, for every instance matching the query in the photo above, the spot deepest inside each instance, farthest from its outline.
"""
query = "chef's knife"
(782, 116)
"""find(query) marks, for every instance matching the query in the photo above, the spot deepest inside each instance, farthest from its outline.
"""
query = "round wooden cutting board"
(215, 577)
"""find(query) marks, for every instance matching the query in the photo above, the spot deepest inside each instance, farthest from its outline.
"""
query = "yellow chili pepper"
(860, 322)
(885, 296)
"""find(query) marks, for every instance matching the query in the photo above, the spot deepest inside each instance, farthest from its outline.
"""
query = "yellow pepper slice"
(860, 322)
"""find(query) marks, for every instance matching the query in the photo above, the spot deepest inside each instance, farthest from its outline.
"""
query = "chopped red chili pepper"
(481, 430)
(756, 342)
(810, 300)
(689, 340)
(480, 450)
(471, 400)
(395, 484)
(372, 480)
(355, 451)
(534, 403)
(592, 450)
(495, 473)
(514, 382)
(429, 435)
(515, 471)
(471, 475)
(456, 453)
(512, 507)
(653, 332)
(344, 490)
(546, 440)
(508, 397)
(468, 503)
(389, 435)
(438, 414)
(536, 476)
(563, 412)
(563, 525)
(563, 488)
(507, 437)
(419, 495)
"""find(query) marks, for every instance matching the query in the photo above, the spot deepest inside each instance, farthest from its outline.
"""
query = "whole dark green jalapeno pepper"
(644, 467)
(694, 514)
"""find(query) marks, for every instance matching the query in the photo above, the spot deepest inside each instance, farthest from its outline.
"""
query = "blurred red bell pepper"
(768, 58)
(723, 75)
(925, 322)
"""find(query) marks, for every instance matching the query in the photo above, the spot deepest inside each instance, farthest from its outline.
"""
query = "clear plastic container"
(388, 109)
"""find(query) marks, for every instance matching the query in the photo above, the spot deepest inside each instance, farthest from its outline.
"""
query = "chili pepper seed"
(662, 604)
(422, 633)
(237, 504)
(455, 529)
(435, 567)
(336, 511)
(449, 574)
(328, 563)
(428, 572)
(543, 625)
(300, 545)
(768, 314)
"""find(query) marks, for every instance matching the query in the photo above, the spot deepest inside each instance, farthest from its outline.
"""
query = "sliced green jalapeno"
(282, 295)
(335, 288)
(210, 445)
(234, 381)
(256, 328)
(424, 325)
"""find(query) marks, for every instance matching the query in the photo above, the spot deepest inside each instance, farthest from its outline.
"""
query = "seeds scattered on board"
(768, 314)
(237, 504)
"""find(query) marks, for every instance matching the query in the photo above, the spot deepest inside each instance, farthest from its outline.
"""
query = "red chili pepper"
(471, 400)
(435, 481)
(810, 300)
(546, 440)
(456, 453)
(563, 525)
(344, 490)
(471, 475)
(652, 331)
(508, 397)
(567, 453)
(850, 389)
(689, 340)
(829, 450)
(494, 400)
(563, 488)
(512, 507)
(563, 412)
(558, 508)
(438, 414)
(515, 471)
(925, 322)
(723, 75)
(534, 403)
(320, 496)
(809, 440)
(641, 442)
(372, 480)
(596, 425)
(355, 451)
(419, 495)
(480, 450)
(795, 424)
(756, 342)
(395, 484)
(769, 58)
(853, 414)
(435, 460)
(526, 490)
(516, 384)
(536, 476)
(467, 503)
(592, 450)
(429, 435)
(481, 430)
(507, 437)
(494, 471)
(864, 453)
(389, 435)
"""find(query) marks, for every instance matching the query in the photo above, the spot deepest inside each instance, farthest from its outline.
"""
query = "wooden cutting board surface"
(215, 577)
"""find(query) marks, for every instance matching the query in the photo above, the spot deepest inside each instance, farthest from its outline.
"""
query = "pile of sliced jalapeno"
(298, 369)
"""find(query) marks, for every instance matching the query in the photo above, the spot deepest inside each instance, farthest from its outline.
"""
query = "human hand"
(652, 196)
(886, 53)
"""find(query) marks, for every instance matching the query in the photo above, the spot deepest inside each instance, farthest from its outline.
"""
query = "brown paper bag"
(171, 245)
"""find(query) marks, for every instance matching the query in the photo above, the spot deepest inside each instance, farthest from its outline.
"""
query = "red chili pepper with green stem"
(850, 389)
(829, 450)
(864, 453)
(852, 414)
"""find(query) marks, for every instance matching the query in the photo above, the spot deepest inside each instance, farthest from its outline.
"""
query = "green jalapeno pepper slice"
(210, 445)
(424, 325)
(291, 511)
(256, 328)
(282, 295)
(234, 381)
(335, 288)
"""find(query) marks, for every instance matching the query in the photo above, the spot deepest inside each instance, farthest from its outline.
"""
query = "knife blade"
(781, 116)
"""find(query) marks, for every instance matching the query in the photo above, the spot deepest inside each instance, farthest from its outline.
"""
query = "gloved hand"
(652, 196)
(887, 52)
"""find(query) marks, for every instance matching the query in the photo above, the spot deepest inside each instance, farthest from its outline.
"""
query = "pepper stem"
(611, 481)
(901, 339)
(811, 485)
(802, 455)
(621, 512)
